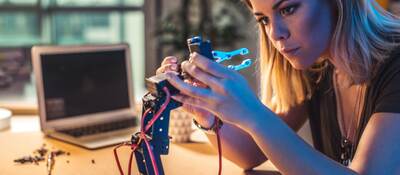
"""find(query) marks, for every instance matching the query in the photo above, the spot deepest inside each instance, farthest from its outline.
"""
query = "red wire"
(142, 136)
(159, 112)
(116, 156)
(130, 163)
(155, 168)
(219, 148)
(142, 121)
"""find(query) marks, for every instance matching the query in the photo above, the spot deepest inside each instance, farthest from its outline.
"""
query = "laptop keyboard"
(100, 128)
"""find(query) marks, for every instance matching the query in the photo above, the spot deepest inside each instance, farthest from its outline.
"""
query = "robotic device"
(152, 140)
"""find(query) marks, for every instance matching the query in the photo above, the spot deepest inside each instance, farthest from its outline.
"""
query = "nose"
(278, 31)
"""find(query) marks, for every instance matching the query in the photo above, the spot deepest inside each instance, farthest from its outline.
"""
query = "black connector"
(156, 83)
(196, 44)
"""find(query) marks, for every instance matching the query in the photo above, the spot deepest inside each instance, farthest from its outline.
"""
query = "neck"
(343, 78)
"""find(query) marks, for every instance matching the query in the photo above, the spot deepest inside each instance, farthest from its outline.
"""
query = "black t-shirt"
(382, 95)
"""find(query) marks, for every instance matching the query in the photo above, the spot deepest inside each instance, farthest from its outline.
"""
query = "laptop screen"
(84, 83)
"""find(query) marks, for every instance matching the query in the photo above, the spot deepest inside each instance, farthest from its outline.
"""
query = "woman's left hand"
(229, 96)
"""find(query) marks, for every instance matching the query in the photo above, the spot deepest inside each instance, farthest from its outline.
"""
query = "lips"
(290, 51)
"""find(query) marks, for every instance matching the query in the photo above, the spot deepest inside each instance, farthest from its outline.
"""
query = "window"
(18, 1)
(70, 22)
(19, 28)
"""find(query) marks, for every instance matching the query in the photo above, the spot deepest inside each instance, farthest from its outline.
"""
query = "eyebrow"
(274, 7)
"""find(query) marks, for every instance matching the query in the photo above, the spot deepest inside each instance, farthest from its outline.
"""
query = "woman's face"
(300, 29)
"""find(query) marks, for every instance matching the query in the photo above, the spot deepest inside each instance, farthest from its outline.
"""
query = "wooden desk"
(187, 158)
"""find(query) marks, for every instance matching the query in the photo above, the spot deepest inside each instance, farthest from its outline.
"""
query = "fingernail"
(174, 66)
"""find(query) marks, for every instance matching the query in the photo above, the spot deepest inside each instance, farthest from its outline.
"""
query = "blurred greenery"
(219, 21)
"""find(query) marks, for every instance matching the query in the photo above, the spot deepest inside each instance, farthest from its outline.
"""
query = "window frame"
(151, 10)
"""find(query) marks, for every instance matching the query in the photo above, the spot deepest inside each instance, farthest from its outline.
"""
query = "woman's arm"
(231, 99)
(379, 148)
(249, 155)
(377, 152)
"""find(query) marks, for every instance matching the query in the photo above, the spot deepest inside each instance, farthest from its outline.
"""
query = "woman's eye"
(288, 10)
(263, 20)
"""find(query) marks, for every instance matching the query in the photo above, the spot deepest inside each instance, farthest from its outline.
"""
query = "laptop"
(85, 93)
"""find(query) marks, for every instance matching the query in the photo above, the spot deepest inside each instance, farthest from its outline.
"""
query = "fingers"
(200, 75)
(210, 66)
(168, 64)
(169, 60)
(187, 89)
(167, 68)
(191, 103)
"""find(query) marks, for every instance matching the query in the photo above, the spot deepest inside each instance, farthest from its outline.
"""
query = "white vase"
(180, 126)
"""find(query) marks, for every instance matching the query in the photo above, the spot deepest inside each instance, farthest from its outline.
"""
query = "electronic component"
(153, 140)
(223, 56)
(196, 44)
(50, 163)
(245, 64)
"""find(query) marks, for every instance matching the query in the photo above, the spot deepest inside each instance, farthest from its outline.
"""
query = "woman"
(336, 62)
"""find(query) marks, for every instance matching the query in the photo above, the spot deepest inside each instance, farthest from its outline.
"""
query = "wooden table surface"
(186, 158)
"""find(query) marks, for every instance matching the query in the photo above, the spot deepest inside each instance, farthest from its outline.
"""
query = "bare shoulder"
(379, 148)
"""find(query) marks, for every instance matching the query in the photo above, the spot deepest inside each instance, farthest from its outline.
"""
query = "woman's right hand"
(203, 117)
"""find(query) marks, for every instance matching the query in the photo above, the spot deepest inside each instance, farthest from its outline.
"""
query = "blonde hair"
(365, 34)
